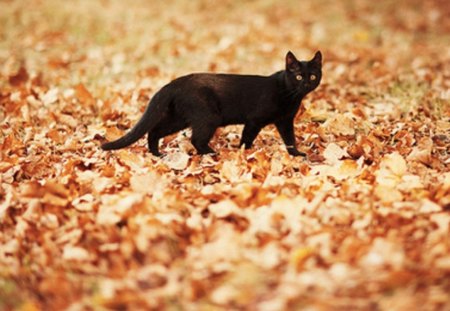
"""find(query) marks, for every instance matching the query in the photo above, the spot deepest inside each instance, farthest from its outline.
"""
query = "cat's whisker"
(292, 93)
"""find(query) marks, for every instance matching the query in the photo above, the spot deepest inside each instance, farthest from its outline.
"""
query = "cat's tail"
(151, 117)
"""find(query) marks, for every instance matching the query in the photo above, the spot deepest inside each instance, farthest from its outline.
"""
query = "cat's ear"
(317, 59)
(291, 61)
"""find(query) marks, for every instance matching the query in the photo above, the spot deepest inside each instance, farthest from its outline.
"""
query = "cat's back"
(234, 97)
(223, 82)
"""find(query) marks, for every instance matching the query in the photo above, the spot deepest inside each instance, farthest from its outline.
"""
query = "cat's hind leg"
(249, 134)
(201, 135)
(203, 130)
(201, 110)
(165, 128)
(153, 143)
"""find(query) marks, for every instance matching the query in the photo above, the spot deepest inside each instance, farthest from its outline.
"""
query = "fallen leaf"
(114, 208)
(75, 253)
(333, 153)
(177, 160)
(19, 78)
(340, 124)
(299, 256)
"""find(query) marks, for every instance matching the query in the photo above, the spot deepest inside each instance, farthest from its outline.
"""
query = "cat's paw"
(206, 150)
(156, 153)
(294, 152)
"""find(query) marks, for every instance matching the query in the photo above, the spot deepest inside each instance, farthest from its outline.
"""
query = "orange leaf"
(83, 95)
(19, 78)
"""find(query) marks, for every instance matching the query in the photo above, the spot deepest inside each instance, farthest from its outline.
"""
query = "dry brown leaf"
(340, 125)
(83, 95)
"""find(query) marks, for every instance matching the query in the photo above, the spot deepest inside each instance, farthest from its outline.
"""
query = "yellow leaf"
(28, 306)
(361, 36)
(300, 255)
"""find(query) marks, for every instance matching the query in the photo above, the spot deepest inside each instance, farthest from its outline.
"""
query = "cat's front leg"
(286, 129)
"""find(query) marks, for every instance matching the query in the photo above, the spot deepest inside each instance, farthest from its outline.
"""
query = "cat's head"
(304, 75)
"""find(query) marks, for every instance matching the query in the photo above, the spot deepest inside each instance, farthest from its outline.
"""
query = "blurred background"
(109, 39)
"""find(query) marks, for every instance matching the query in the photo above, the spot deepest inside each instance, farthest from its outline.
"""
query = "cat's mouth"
(310, 86)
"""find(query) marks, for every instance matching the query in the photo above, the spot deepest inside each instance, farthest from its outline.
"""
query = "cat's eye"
(313, 77)
(299, 77)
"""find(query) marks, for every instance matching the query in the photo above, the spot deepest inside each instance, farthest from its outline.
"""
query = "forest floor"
(361, 223)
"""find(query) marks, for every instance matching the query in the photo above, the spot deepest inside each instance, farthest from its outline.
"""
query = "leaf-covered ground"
(361, 224)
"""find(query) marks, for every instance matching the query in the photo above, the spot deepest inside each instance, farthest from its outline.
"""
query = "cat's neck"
(288, 92)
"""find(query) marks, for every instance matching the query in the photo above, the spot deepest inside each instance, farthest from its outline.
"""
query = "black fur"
(205, 102)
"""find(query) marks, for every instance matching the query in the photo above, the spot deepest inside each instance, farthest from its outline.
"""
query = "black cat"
(206, 101)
